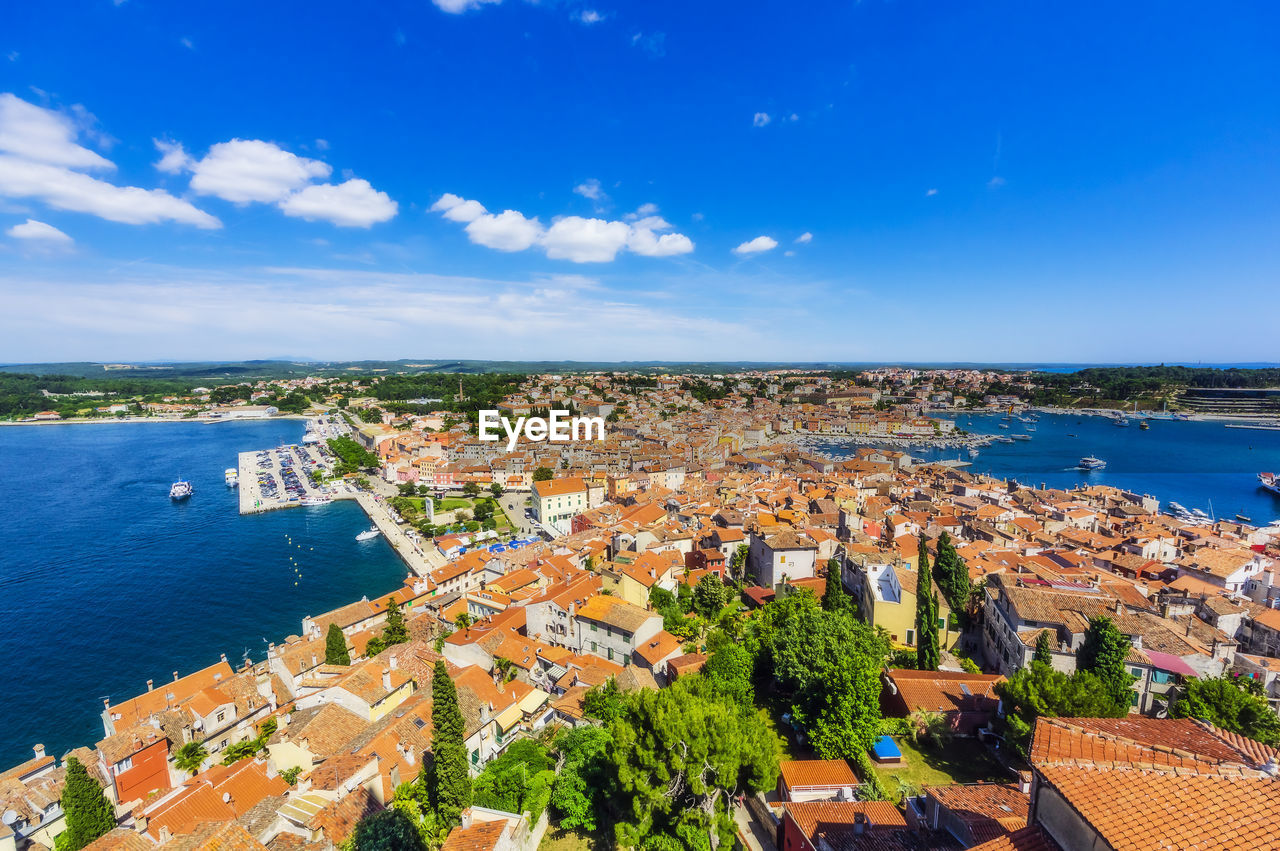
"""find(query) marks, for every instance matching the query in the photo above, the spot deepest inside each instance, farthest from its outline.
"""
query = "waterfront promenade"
(419, 559)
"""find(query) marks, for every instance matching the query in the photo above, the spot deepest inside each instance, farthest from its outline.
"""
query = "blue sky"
(994, 181)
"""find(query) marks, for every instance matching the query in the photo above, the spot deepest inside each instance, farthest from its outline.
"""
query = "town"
(702, 632)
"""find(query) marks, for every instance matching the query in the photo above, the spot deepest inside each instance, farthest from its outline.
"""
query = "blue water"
(1199, 464)
(105, 583)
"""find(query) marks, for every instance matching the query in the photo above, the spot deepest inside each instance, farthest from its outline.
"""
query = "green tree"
(1102, 654)
(834, 597)
(449, 783)
(190, 757)
(394, 631)
(335, 647)
(387, 830)
(496, 490)
(729, 669)
(830, 664)
(584, 777)
(1044, 649)
(951, 574)
(471, 489)
(1039, 690)
(543, 474)
(709, 596)
(1232, 703)
(89, 813)
(518, 781)
(463, 620)
(679, 754)
(927, 654)
(738, 563)
(603, 702)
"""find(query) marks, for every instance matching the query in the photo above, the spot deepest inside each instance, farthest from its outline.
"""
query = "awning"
(509, 717)
(533, 700)
(1170, 663)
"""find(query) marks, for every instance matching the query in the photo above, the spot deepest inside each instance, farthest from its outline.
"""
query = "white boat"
(180, 490)
(1020, 436)
(232, 476)
(1004, 439)
(1091, 463)
(1177, 507)
(973, 452)
(369, 534)
(315, 500)
(1270, 481)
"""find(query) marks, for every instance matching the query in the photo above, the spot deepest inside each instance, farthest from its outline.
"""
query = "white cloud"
(697, 217)
(590, 16)
(793, 117)
(804, 237)
(644, 240)
(64, 189)
(761, 119)
(41, 159)
(757, 245)
(354, 203)
(457, 209)
(507, 231)
(173, 157)
(44, 136)
(996, 182)
(187, 43)
(590, 189)
(322, 144)
(457, 7)
(245, 170)
(930, 193)
(585, 240)
(648, 209)
(788, 254)
(39, 232)
(573, 238)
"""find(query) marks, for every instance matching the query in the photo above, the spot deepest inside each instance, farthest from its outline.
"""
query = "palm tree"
(190, 757)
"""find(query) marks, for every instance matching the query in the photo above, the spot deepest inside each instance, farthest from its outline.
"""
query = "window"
(475, 757)
(1133, 698)
(610, 654)
(222, 716)
(911, 637)
(593, 647)
(942, 624)
(124, 765)
(595, 628)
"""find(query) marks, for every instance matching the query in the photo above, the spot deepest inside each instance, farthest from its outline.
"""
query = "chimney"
(224, 657)
(150, 685)
(1118, 609)
(408, 754)
(106, 703)
(393, 662)
(314, 660)
(386, 678)
(39, 750)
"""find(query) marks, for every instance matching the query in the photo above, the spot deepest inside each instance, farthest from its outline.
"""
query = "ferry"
(1091, 463)
(180, 490)
(232, 476)
(1270, 481)
(369, 534)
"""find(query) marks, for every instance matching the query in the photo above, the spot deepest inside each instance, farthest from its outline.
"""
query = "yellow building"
(888, 599)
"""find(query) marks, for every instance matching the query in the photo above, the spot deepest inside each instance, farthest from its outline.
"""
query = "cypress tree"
(951, 574)
(834, 598)
(335, 647)
(394, 632)
(1044, 650)
(449, 783)
(926, 614)
(1102, 654)
(89, 813)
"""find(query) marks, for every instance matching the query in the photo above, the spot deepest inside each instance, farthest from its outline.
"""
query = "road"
(514, 503)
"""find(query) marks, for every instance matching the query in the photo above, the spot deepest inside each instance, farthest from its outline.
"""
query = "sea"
(1200, 464)
(106, 583)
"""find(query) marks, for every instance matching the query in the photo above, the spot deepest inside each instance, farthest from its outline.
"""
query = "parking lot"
(281, 477)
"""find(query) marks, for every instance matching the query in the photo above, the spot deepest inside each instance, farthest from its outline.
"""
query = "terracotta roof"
(797, 773)
(945, 691)
(214, 837)
(987, 809)
(1161, 783)
(1027, 839)
(481, 836)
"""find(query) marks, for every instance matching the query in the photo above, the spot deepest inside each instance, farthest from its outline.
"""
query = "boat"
(1203, 515)
(1090, 463)
(1144, 425)
(973, 452)
(1244, 518)
(1178, 507)
(1122, 422)
(369, 534)
(1003, 439)
(180, 490)
(1021, 436)
(232, 476)
(315, 500)
(1270, 481)
(1003, 425)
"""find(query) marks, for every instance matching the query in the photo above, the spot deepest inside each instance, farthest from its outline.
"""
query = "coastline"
(137, 420)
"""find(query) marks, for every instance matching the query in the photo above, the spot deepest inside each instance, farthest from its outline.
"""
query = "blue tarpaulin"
(885, 750)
